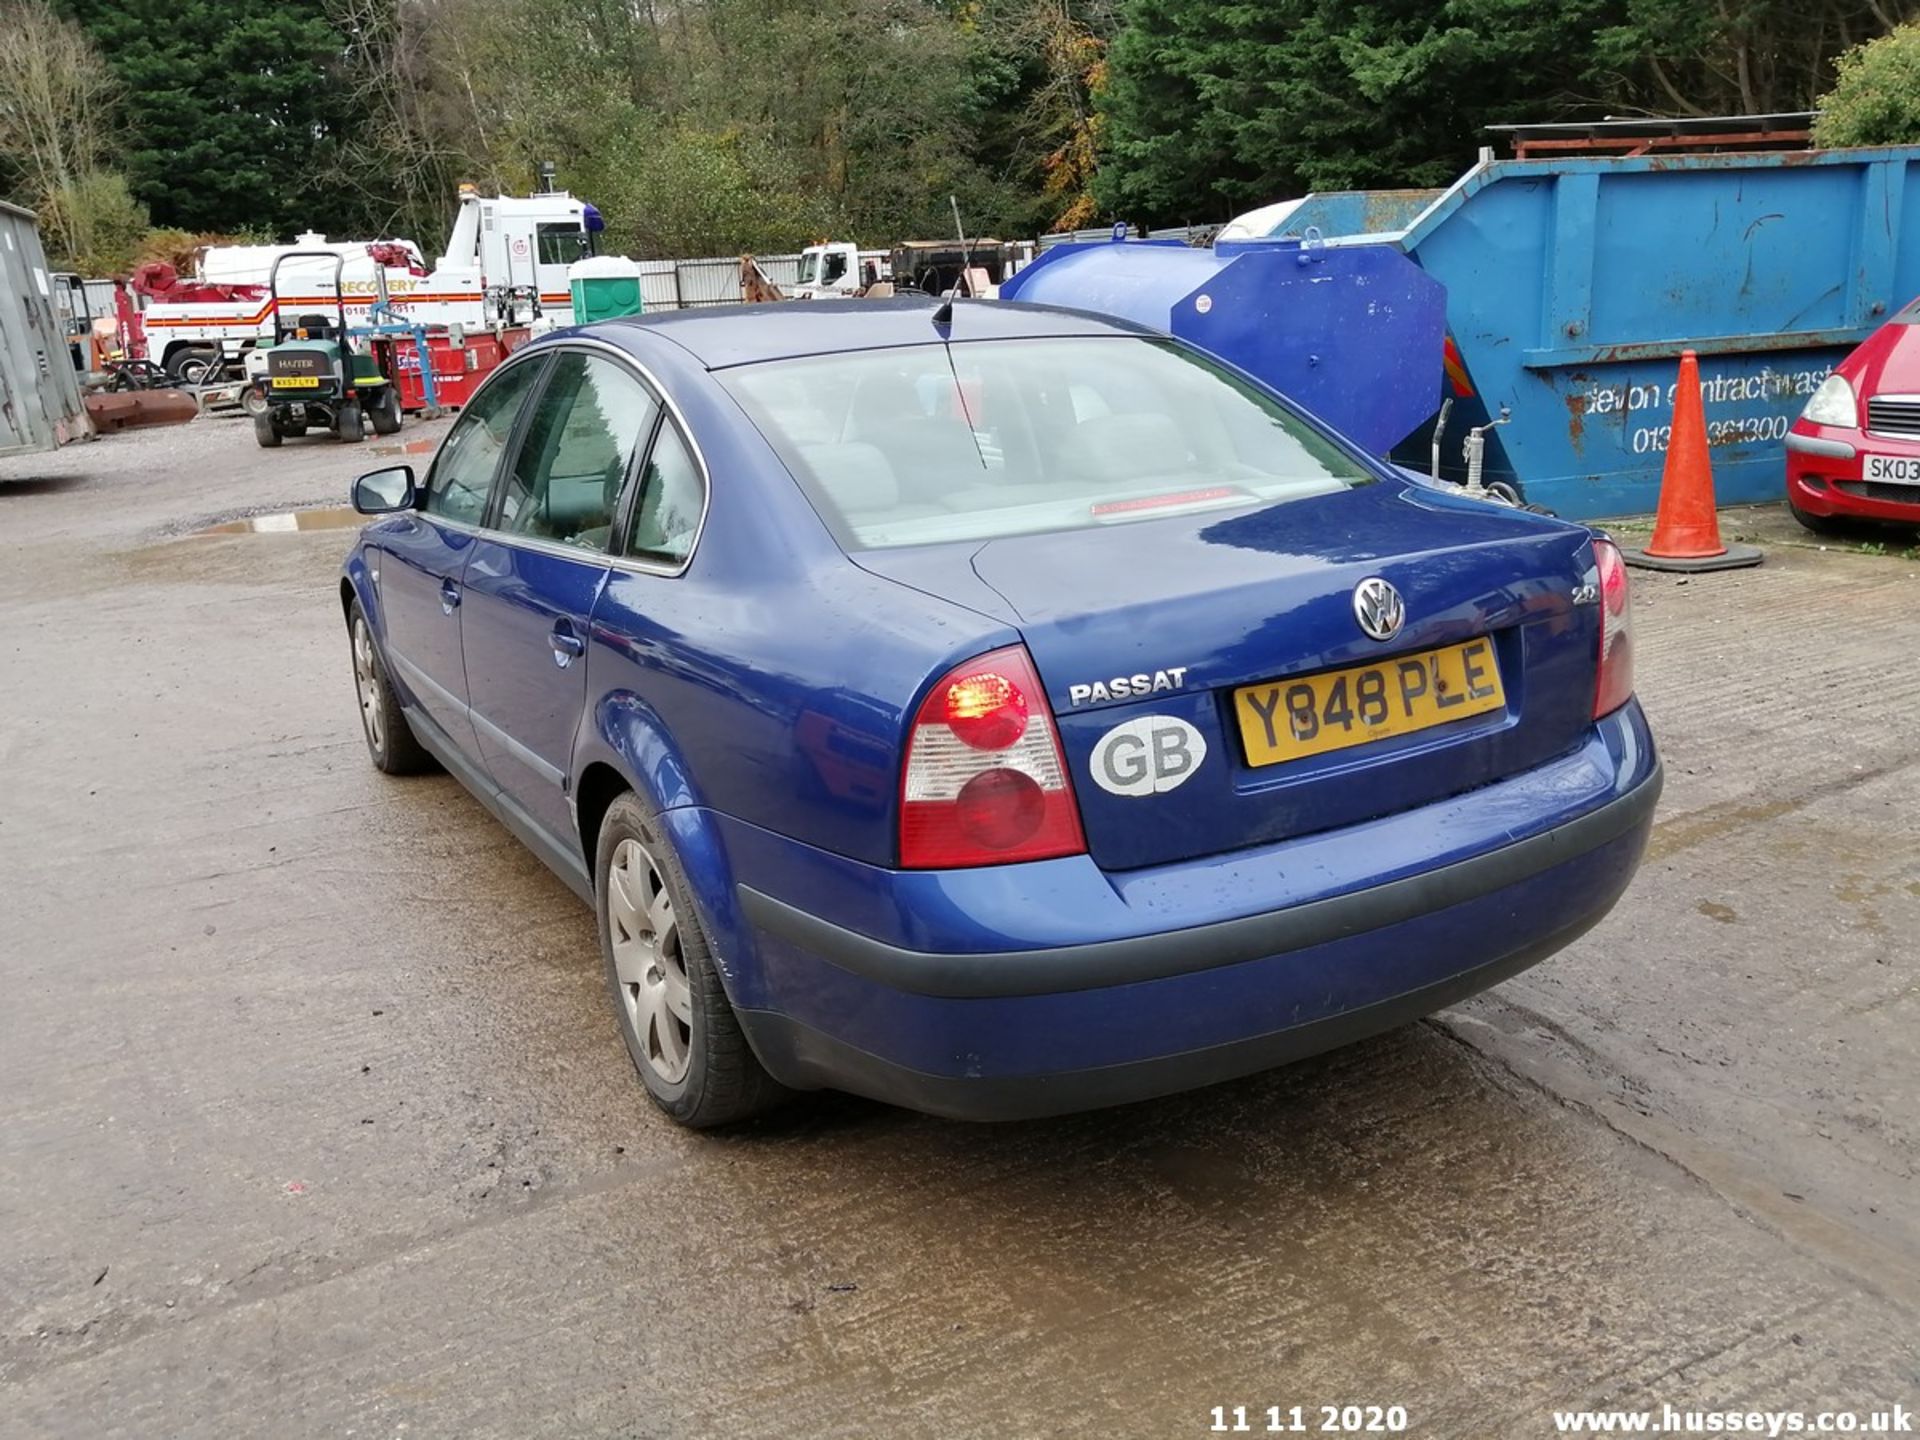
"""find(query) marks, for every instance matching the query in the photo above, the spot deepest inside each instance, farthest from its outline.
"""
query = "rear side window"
(462, 474)
(666, 514)
(586, 427)
(974, 441)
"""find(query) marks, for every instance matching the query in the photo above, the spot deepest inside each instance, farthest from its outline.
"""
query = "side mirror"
(382, 492)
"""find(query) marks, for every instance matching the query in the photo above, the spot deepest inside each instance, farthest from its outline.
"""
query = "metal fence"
(1187, 234)
(714, 280)
(1083, 237)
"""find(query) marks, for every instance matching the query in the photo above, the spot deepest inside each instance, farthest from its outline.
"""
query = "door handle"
(449, 597)
(567, 644)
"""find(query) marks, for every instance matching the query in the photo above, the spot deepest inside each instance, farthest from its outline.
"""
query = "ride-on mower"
(315, 378)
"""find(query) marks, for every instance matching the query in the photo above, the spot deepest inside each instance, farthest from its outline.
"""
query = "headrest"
(856, 476)
(1126, 447)
(882, 398)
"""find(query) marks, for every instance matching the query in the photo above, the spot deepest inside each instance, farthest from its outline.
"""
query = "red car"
(1854, 453)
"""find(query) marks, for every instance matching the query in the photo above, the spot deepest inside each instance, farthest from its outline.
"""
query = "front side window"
(462, 474)
(666, 515)
(589, 422)
(563, 244)
(933, 443)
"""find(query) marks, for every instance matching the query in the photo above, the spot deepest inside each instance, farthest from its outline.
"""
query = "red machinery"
(129, 330)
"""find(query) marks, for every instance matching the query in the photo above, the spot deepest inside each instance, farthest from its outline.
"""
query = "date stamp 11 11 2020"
(1308, 1419)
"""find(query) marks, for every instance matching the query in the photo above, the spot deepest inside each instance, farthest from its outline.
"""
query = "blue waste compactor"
(1354, 334)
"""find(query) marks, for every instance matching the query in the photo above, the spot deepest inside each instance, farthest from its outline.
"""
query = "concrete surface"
(313, 1120)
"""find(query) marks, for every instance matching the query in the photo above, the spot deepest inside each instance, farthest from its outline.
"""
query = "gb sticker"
(1148, 756)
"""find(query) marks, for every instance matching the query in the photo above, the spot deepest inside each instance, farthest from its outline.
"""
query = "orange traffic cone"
(1686, 529)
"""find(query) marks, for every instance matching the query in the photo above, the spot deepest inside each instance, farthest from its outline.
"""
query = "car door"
(425, 552)
(533, 577)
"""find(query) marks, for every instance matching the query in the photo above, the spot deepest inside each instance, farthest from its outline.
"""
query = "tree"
(1875, 99)
(234, 109)
(56, 112)
(1733, 57)
(1042, 125)
(104, 226)
(690, 192)
(705, 127)
(418, 129)
(1215, 107)
(878, 105)
(1212, 108)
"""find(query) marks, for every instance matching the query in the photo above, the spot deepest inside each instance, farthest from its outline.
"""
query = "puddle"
(288, 521)
(405, 447)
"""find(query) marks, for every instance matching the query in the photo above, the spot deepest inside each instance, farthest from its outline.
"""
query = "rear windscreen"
(974, 441)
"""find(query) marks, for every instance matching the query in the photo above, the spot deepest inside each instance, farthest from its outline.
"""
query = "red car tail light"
(1614, 685)
(985, 781)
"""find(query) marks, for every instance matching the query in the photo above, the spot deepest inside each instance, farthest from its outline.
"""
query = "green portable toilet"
(604, 287)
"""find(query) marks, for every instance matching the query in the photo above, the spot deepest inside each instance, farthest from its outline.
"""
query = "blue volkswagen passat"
(998, 717)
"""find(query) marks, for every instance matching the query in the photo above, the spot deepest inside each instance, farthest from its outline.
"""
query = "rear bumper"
(1042, 1029)
(1170, 953)
(806, 1056)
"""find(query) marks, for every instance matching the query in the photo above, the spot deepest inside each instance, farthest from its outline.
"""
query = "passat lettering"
(1127, 687)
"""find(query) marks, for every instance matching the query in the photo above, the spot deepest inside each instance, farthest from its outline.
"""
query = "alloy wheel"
(647, 960)
(366, 681)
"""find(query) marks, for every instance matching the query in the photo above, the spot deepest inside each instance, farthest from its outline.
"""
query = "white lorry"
(505, 264)
(838, 270)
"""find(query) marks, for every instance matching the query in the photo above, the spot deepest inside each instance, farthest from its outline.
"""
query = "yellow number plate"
(1289, 719)
(296, 382)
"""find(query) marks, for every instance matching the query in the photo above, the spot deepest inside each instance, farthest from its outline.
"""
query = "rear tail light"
(985, 781)
(1615, 682)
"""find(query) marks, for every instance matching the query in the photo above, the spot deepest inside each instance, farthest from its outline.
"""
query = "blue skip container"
(1574, 284)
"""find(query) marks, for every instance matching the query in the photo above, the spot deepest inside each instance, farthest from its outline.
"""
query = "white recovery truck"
(505, 264)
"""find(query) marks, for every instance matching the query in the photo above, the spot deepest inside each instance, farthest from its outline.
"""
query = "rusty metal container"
(117, 410)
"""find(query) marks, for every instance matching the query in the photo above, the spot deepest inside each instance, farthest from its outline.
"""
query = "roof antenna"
(944, 315)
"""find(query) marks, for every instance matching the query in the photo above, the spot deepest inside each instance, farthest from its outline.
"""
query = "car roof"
(747, 334)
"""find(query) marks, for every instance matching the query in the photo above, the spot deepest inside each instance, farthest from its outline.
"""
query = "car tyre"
(385, 414)
(265, 433)
(673, 1012)
(390, 740)
(253, 402)
(347, 425)
(1821, 524)
(192, 366)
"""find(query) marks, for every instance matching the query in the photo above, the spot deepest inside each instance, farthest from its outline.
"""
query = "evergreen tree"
(232, 109)
(1212, 108)
(1215, 108)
